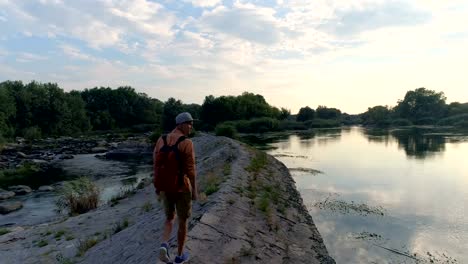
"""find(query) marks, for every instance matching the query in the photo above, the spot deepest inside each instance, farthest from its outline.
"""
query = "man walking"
(174, 180)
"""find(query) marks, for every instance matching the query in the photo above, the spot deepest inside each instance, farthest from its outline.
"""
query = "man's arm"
(155, 152)
(190, 169)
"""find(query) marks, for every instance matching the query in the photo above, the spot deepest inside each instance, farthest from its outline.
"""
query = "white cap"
(183, 117)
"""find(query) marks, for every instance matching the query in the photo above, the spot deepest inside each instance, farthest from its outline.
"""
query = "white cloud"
(75, 53)
(204, 3)
(246, 22)
(29, 57)
(147, 16)
(98, 34)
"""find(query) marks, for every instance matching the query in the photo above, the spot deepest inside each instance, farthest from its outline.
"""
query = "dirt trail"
(254, 214)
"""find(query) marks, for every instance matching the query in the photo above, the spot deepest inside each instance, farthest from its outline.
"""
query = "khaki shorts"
(182, 202)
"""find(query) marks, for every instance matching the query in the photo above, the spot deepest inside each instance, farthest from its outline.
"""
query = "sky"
(346, 54)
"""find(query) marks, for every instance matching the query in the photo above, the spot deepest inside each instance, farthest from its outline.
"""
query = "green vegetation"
(58, 235)
(258, 162)
(4, 231)
(210, 183)
(86, 244)
(78, 196)
(42, 243)
(147, 206)
(121, 226)
(226, 130)
(31, 174)
(37, 110)
(124, 193)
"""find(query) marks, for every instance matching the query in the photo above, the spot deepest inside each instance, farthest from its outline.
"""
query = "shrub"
(425, 121)
(86, 244)
(226, 130)
(78, 196)
(4, 231)
(210, 183)
(32, 133)
(453, 120)
(154, 136)
(31, 174)
(291, 125)
(322, 123)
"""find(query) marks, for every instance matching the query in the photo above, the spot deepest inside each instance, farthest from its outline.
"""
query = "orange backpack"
(168, 167)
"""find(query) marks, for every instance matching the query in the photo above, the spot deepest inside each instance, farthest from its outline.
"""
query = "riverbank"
(252, 213)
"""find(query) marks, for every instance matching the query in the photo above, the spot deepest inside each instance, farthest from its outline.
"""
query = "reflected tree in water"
(420, 146)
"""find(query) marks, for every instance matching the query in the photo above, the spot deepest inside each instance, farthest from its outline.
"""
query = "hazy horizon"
(342, 54)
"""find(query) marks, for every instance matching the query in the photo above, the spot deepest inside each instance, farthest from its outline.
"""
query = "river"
(382, 196)
(111, 177)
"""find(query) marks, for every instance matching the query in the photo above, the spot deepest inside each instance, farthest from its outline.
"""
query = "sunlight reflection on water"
(420, 180)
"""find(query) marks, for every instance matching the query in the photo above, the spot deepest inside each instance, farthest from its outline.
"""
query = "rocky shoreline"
(251, 213)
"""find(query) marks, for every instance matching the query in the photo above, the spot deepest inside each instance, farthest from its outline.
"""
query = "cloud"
(75, 53)
(29, 57)
(354, 20)
(203, 3)
(248, 22)
(148, 17)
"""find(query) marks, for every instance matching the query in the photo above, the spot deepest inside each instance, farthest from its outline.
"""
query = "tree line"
(419, 107)
(35, 110)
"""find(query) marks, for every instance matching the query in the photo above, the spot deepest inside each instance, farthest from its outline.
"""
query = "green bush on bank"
(401, 122)
(32, 175)
(322, 123)
(226, 130)
(456, 120)
(291, 125)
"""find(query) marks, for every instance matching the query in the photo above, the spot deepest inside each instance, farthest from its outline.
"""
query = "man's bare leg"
(168, 229)
(181, 235)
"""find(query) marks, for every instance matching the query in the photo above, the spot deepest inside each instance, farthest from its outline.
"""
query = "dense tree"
(305, 113)
(7, 112)
(324, 112)
(422, 106)
(377, 115)
(171, 109)
(242, 107)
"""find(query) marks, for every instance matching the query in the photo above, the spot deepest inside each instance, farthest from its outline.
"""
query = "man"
(175, 184)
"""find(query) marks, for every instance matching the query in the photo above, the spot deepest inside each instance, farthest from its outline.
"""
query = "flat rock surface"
(250, 216)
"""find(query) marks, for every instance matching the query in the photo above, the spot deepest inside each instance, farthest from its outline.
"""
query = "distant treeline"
(36, 110)
(419, 107)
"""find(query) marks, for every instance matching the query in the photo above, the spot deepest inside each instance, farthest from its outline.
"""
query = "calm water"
(386, 197)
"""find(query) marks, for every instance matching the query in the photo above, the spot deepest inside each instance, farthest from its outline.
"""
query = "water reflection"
(366, 169)
(420, 146)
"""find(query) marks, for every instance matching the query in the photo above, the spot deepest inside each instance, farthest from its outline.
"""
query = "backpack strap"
(164, 138)
(181, 167)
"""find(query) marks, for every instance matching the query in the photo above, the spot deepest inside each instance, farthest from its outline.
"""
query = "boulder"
(20, 189)
(8, 207)
(46, 188)
(6, 194)
(98, 149)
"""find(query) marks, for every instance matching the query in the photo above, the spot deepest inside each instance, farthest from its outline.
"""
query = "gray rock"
(6, 194)
(20, 189)
(21, 154)
(46, 188)
(98, 149)
(8, 207)
(65, 156)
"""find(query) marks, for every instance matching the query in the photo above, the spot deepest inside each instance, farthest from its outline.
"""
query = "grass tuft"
(78, 196)
(147, 206)
(121, 226)
(4, 231)
(86, 244)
